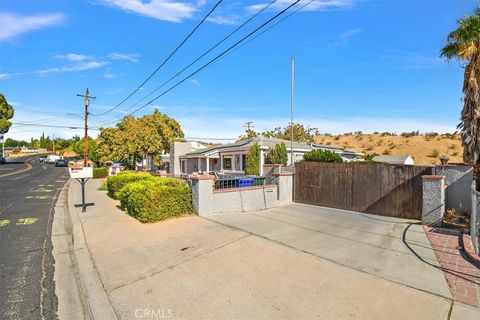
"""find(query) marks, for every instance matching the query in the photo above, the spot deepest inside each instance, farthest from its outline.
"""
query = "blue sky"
(367, 65)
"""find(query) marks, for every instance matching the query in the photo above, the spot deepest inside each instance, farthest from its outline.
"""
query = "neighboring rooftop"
(401, 159)
(266, 142)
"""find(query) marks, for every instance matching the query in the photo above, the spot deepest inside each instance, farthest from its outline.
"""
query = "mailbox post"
(81, 174)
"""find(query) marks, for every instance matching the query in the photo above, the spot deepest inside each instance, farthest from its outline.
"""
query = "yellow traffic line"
(29, 167)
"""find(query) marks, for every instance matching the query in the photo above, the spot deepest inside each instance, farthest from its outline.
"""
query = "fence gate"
(389, 190)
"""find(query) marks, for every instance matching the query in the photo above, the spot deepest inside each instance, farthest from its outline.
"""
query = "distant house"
(403, 159)
(231, 158)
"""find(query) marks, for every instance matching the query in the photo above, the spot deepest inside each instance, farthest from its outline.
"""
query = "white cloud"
(4, 75)
(73, 57)
(166, 10)
(195, 82)
(82, 66)
(109, 75)
(12, 25)
(318, 5)
(343, 38)
(408, 60)
(230, 19)
(132, 57)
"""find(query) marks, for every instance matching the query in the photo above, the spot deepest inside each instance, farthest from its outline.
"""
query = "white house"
(403, 159)
(231, 158)
(179, 149)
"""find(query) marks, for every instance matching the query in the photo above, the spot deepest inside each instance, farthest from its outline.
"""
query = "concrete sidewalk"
(193, 268)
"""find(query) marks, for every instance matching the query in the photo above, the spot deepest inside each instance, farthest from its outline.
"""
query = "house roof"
(392, 159)
(264, 142)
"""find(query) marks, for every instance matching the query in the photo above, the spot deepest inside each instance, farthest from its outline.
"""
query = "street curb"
(466, 242)
(96, 299)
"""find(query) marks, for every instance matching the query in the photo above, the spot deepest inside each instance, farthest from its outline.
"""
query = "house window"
(227, 163)
(237, 162)
(183, 166)
(244, 162)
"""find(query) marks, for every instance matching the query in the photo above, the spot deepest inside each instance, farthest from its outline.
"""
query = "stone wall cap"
(205, 177)
(433, 177)
(283, 174)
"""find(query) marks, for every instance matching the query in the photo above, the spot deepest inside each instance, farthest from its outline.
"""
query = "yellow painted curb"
(29, 166)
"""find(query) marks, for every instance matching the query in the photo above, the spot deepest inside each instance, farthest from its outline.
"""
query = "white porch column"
(207, 165)
(262, 161)
(221, 163)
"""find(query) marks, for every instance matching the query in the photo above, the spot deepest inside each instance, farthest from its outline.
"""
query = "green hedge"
(319, 155)
(115, 183)
(156, 199)
(101, 172)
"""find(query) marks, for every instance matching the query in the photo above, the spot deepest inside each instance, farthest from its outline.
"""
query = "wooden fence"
(389, 190)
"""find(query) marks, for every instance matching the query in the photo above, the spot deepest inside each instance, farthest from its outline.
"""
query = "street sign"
(81, 173)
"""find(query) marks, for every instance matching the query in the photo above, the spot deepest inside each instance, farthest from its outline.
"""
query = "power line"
(273, 25)
(205, 53)
(49, 126)
(164, 61)
(44, 119)
(211, 61)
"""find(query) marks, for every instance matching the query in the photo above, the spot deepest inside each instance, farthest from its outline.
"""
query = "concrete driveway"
(295, 262)
(390, 248)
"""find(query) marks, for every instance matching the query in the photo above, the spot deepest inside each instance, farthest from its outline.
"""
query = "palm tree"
(464, 45)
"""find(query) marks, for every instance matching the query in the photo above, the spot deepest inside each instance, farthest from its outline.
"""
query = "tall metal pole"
(54, 143)
(291, 111)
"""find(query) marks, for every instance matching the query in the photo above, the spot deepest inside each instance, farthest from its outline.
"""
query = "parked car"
(3, 160)
(42, 159)
(51, 159)
(61, 163)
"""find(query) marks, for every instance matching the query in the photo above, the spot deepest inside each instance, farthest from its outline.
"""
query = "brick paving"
(462, 276)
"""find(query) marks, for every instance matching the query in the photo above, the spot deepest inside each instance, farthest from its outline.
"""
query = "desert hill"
(425, 148)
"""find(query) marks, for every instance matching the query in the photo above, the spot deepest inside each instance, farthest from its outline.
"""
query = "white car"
(51, 159)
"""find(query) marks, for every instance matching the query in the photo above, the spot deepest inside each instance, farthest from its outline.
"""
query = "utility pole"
(54, 143)
(3, 144)
(291, 111)
(85, 138)
(249, 125)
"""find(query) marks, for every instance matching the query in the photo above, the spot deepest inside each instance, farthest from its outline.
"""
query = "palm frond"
(450, 51)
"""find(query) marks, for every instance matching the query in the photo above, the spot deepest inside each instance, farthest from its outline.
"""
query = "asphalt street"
(28, 192)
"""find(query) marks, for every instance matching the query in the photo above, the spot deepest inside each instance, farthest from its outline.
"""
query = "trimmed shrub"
(319, 155)
(156, 199)
(278, 155)
(101, 172)
(115, 183)
(253, 160)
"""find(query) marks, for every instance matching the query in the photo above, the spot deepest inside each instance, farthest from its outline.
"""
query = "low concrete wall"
(458, 181)
(433, 199)
(208, 201)
(475, 218)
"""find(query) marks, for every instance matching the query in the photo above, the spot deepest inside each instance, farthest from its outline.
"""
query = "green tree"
(9, 142)
(301, 133)
(253, 160)
(249, 134)
(278, 154)
(78, 148)
(464, 44)
(319, 155)
(135, 138)
(6, 113)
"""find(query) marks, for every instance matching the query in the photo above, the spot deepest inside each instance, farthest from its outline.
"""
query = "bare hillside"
(425, 149)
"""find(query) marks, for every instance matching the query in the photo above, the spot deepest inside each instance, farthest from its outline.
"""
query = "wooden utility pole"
(85, 138)
(249, 125)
